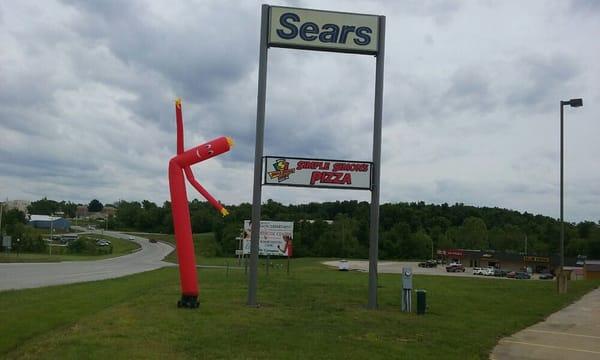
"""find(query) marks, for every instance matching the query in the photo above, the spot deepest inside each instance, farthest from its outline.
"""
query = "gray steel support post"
(258, 155)
(562, 222)
(374, 225)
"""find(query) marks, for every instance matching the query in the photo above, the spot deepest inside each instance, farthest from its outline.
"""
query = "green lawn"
(205, 245)
(314, 313)
(120, 247)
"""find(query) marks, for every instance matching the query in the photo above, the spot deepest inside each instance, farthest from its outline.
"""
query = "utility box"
(407, 289)
(421, 302)
(407, 278)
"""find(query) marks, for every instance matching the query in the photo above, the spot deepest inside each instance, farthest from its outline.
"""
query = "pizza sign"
(323, 173)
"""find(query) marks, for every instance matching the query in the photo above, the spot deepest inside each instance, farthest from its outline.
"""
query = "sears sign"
(323, 30)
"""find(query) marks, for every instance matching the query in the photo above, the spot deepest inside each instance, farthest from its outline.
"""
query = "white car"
(478, 271)
(343, 265)
(488, 271)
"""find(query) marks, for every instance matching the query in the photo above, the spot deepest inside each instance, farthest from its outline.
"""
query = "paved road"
(572, 333)
(30, 275)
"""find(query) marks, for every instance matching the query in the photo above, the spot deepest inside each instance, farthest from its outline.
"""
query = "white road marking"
(562, 333)
(549, 346)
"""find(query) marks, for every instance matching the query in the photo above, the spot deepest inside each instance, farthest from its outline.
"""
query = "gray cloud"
(541, 79)
(471, 96)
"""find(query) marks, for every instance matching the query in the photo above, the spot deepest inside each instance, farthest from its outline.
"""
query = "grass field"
(120, 247)
(204, 244)
(313, 313)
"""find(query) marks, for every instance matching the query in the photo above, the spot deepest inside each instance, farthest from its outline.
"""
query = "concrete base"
(562, 281)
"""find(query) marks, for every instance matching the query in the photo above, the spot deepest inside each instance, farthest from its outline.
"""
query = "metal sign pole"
(374, 224)
(258, 155)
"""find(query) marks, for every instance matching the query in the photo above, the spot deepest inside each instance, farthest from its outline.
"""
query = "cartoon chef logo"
(282, 170)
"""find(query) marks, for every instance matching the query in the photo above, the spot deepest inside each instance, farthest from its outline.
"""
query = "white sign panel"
(7, 242)
(323, 30)
(275, 238)
(323, 173)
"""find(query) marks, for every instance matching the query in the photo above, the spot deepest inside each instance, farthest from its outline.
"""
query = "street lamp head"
(575, 102)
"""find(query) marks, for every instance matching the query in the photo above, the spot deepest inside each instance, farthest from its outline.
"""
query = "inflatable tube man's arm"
(201, 152)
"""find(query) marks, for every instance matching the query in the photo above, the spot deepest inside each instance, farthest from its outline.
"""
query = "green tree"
(474, 234)
(444, 243)
(497, 237)
(514, 239)
(68, 208)
(10, 219)
(128, 213)
(396, 242)
(339, 239)
(453, 236)
(43, 207)
(421, 245)
(577, 247)
(95, 206)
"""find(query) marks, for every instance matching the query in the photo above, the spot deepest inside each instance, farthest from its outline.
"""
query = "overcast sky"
(471, 105)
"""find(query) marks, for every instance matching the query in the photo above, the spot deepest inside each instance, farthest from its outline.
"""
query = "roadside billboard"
(323, 173)
(323, 30)
(275, 238)
(7, 242)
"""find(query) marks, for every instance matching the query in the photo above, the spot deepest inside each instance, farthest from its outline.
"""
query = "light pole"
(1, 211)
(572, 103)
(431, 248)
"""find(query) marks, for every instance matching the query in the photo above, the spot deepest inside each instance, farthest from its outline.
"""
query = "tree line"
(407, 230)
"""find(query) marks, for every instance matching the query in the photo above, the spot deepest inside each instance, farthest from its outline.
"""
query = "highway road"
(31, 275)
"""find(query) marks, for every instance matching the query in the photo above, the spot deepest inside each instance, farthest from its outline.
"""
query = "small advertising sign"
(7, 242)
(275, 238)
(322, 173)
(536, 259)
(323, 30)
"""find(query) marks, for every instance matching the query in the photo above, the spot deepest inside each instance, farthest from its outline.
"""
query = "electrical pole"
(1, 211)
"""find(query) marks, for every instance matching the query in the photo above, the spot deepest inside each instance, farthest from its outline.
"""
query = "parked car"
(546, 276)
(454, 267)
(343, 265)
(522, 275)
(101, 242)
(489, 271)
(511, 274)
(428, 264)
(477, 271)
(499, 273)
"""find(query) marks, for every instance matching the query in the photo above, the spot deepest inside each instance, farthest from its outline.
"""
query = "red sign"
(454, 252)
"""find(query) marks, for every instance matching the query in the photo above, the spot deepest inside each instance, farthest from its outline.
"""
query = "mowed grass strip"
(205, 245)
(315, 312)
(120, 247)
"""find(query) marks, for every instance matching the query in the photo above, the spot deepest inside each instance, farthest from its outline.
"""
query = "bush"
(87, 246)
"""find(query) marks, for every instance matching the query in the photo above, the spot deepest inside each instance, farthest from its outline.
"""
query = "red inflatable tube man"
(178, 166)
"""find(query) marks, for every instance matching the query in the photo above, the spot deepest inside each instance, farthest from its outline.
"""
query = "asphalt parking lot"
(395, 267)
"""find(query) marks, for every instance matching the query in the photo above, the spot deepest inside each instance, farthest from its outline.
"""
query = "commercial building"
(20, 205)
(591, 269)
(504, 260)
(47, 222)
(82, 211)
